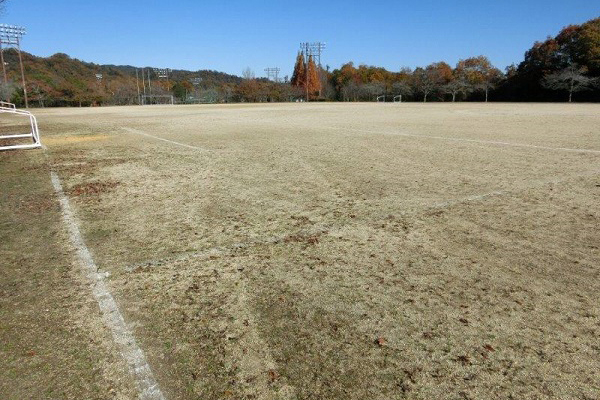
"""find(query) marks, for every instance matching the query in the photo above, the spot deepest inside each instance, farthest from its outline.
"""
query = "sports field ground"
(303, 251)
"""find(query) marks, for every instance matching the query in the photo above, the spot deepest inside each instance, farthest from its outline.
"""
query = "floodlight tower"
(273, 73)
(11, 35)
(313, 49)
(162, 73)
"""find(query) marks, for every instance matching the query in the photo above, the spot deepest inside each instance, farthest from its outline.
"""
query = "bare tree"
(370, 91)
(425, 81)
(456, 87)
(248, 74)
(6, 90)
(350, 91)
(571, 79)
(401, 88)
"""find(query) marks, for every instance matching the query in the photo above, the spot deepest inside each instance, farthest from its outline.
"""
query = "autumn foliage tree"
(299, 75)
(432, 78)
(312, 78)
(575, 45)
(479, 73)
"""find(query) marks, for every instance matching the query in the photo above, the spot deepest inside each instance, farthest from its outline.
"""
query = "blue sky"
(231, 35)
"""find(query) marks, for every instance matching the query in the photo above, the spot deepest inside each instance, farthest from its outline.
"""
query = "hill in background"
(60, 80)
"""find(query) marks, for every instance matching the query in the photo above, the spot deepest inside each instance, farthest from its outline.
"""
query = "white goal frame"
(398, 99)
(157, 96)
(5, 104)
(381, 97)
(34, 135)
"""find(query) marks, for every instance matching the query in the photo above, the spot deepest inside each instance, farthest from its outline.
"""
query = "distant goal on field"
(18, 128)
(157, 99)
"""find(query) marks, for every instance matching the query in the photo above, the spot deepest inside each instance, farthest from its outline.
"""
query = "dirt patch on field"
(92, 188)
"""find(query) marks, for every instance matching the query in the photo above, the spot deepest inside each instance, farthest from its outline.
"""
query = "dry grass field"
(308, 251)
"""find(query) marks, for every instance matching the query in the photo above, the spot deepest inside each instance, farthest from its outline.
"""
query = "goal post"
(4, 104)
(157, 99)
(381, 99)
(11, 134)
(398, 99)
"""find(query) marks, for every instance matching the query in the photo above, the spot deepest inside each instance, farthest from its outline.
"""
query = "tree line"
(561, 68)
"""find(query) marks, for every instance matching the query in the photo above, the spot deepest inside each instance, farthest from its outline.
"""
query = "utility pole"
(137, 83)
(307, 75)
(11, 35)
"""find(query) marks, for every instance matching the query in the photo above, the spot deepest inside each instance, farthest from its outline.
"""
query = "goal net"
(156, 99)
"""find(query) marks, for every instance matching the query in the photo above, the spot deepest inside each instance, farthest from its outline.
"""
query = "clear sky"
(229, 35)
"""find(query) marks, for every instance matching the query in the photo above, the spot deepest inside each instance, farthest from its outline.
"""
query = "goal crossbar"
(6, 104)
(34, 134)
(146, 97)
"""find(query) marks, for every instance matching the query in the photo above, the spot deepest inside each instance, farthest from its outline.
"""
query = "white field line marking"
(454, 139)
(189, 146)
(133, 355)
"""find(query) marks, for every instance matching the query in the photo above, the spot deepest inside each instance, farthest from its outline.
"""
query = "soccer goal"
(157, 99)
(13, 124)
(381, 99)
(5, 104)
(398, 99)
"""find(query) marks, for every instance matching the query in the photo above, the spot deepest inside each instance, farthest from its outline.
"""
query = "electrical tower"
(273, 74)
(11, 35)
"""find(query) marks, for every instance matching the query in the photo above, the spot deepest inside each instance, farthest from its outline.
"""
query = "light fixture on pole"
(273, 73)
(11, 35)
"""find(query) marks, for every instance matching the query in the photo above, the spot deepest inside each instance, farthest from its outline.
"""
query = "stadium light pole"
(273, 73)
(312, 49)
(11, 35)
(137, 83)
(2, 61)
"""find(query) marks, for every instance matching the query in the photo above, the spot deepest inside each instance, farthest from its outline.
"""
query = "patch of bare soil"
(92, 188)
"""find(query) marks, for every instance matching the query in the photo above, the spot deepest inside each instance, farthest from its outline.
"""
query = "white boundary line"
(131, 352)
(138, 132)
(454, 139)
